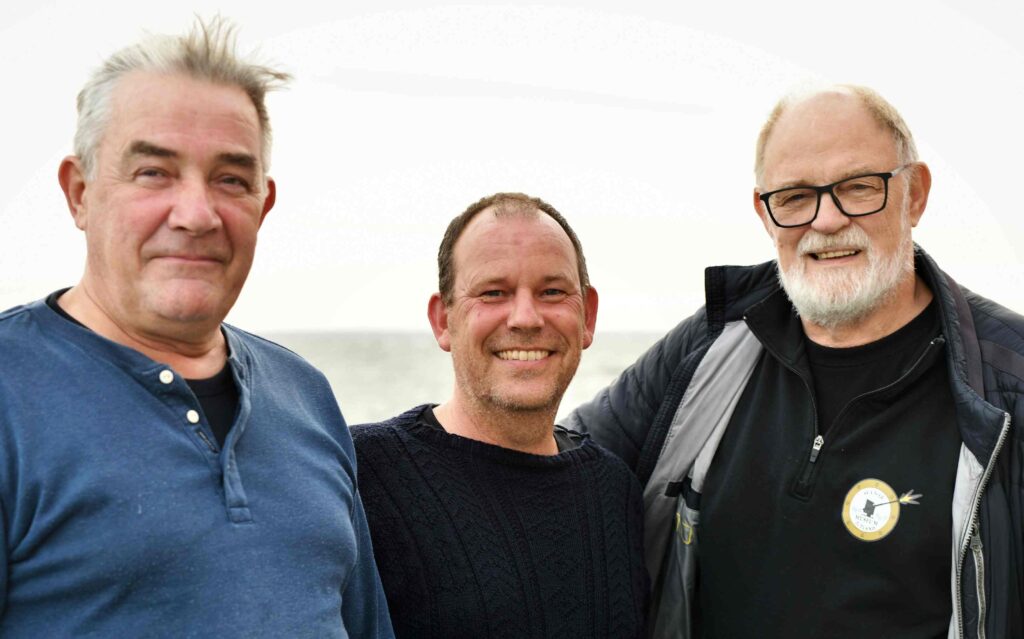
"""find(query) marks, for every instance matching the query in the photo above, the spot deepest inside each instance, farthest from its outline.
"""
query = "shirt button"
(166, 376)
(192, 417)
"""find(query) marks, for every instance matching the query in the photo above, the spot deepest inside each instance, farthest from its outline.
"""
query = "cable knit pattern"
(475, 540)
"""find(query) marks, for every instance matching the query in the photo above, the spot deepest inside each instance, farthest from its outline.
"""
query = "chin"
(840, 297)
(188, 309)
(526, 402)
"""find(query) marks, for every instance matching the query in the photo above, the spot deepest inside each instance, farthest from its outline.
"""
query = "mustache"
(852, 237)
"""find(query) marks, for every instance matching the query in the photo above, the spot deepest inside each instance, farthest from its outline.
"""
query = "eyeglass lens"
(857, 196)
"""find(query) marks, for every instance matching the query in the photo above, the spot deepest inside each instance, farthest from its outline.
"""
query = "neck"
(907, 301)
(193, 356)
(525, 431)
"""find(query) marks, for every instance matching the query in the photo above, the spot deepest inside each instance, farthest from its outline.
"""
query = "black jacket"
(655, 419)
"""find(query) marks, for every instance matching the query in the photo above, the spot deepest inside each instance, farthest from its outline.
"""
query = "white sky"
(636, 120)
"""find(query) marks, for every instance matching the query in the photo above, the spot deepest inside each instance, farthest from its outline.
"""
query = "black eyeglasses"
(854, 197)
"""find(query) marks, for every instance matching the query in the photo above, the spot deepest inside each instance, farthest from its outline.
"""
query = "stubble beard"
(833, 298)
(514, 395)
(508, 398)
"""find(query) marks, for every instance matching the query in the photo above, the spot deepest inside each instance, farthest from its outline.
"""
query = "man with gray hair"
(163, 473)
(831, 447)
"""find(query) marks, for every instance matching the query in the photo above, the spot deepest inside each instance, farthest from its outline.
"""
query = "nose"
(524, 314)
(830, 219)
(194, 209)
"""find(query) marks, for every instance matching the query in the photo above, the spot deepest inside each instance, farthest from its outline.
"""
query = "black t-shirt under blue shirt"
(217, 395)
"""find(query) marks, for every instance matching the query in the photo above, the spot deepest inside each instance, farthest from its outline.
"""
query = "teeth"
(828, 255)
(525, 356)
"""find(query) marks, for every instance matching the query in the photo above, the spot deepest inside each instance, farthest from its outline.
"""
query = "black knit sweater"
(475, 540)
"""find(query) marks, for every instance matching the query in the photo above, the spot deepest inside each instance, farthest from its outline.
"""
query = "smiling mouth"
(523, 356)
(831, 255)
(191, 259)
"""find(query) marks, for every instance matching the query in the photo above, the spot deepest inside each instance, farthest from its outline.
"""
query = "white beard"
(839, 297)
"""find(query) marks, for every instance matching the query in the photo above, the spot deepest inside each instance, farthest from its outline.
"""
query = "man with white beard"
(837, 428)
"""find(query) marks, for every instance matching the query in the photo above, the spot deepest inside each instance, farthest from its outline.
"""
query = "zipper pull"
(819, 441)
(976, 540)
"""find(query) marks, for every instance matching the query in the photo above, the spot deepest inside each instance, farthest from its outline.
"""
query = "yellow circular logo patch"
(871, 510)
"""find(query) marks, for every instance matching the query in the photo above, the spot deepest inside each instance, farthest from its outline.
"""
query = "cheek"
(483, 321)
(136, 214)
(883, 236)
(786, 242)
(240, 228)
(567, 320)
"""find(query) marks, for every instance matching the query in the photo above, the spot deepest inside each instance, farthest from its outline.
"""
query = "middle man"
(487, 520)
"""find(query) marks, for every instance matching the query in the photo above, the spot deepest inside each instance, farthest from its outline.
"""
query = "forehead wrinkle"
(856, 171)
(819, 126)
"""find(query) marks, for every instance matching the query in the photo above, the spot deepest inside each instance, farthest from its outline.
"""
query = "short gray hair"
(207, 53)
(880, 109)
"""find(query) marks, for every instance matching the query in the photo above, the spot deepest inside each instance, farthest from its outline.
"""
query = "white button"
(166, 376)
(192, 416)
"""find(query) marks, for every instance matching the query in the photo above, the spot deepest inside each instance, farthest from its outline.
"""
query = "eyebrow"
(500, 280)
(148, 149)
(244, 160)
(141, 147)
(558, 278)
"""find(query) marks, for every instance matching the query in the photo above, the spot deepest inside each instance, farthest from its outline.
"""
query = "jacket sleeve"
(620, 415)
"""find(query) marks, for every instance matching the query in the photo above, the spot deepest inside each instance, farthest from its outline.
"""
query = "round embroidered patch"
(871, 510)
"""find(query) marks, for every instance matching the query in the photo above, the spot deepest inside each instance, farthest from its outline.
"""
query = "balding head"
(881, 110)
(503, 204)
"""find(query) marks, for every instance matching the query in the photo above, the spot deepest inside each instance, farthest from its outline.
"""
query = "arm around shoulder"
(621, 414)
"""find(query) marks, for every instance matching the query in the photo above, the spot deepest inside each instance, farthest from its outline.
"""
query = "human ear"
(437, 314)
(72, 182)
(589, 316)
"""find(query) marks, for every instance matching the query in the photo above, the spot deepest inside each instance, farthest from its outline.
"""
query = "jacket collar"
(733, 291)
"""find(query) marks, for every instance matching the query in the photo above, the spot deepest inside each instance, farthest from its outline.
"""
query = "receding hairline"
(207, 52)
(509, 210)
(873, 103)
(141, 146)
(445, 252)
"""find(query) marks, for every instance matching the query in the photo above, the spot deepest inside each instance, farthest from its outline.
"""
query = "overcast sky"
(636, 120)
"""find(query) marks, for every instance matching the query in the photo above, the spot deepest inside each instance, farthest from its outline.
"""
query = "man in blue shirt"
(162, 473)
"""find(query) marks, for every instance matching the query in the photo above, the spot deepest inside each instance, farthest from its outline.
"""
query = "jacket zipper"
(979, 572)
(972, 528)
(816, 445)
(819, 441)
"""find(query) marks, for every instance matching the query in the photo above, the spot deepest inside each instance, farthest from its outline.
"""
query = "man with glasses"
(829, 447)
